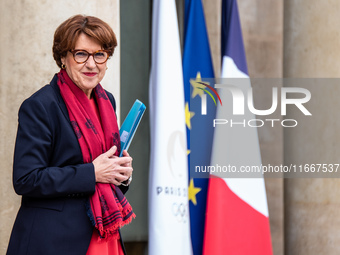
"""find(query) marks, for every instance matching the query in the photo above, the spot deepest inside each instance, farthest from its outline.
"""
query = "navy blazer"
(52, 178)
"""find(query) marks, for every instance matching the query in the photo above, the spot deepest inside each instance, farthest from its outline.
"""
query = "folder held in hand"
(130, 124)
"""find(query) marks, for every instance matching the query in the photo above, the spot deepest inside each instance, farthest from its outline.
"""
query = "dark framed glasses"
(81, 56)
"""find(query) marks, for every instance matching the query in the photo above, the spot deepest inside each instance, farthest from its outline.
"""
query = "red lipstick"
(89, 74)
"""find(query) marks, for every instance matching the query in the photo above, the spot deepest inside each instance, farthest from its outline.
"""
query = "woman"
(65, 162)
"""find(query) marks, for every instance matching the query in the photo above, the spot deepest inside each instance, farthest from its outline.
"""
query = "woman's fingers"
(110, 153)
(123, 175)
(112, 169)
(127, 155)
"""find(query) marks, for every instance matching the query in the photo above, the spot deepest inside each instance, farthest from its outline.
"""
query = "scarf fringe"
(111, 232)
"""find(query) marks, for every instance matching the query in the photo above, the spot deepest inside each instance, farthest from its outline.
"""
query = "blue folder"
(130, 124)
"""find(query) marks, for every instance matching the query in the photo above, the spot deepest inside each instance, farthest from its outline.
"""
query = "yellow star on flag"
(188, 116)
(192, 191)
(196, 86)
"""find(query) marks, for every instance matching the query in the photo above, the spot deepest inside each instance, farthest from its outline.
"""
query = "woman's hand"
(112, 169)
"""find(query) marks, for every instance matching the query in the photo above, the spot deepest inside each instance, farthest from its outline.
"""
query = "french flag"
(237, 220)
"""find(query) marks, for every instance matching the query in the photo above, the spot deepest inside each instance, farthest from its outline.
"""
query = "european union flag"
(197, 64)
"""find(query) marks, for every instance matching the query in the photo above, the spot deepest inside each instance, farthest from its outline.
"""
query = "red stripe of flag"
(229, 220)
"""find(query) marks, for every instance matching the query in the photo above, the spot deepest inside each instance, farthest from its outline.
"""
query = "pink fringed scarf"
(108, 208)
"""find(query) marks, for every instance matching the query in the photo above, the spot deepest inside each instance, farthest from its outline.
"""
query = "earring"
(107, 68)
(63, 66)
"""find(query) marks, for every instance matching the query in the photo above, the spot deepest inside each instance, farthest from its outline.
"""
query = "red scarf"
(108, 210)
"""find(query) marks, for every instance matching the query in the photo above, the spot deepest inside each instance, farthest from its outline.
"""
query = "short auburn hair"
(66, 35)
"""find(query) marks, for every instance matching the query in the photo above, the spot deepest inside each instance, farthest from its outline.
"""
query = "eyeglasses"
(81, 56)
